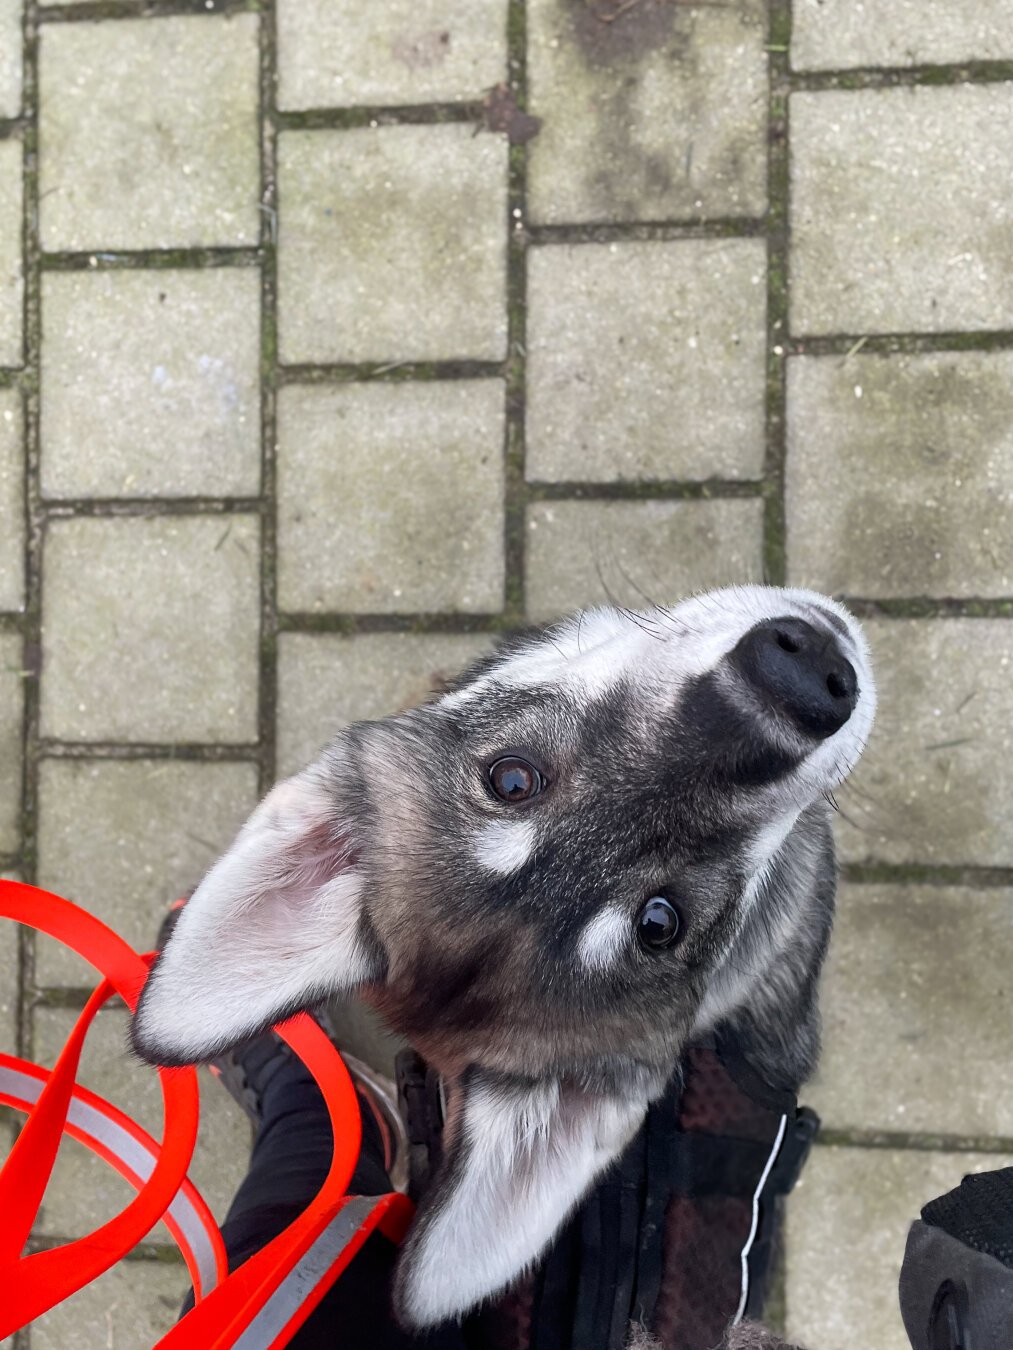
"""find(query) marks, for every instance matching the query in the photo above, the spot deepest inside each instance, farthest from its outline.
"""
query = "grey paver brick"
(900, 216)
(8, 988)
(11, 705)
(10, 58)
(150, 383)
(915, 1018)
(12, 506)
(899, 474)
(148, 133)
(11, 276)
(84, 1191)
(936, 777)
(150, 629)
(847, 1225)
(325, 682)
(129, 1307)
(580, 553)
(659, 114)
(413, 473)
(646, 360)
(336, 53)
(837, 34)
(392, 244)
(154, 828)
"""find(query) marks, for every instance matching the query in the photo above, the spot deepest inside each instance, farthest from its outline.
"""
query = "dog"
(606, 838)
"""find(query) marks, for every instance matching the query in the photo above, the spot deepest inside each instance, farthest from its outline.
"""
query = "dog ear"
(518, 1158)
(274, 927)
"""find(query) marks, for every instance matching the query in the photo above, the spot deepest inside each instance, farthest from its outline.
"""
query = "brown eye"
(515, 780)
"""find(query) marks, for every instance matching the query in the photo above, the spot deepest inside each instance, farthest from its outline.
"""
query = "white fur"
(659, 650)
(604, 937)
(273, 924)
(531, 1156)
(502, 846)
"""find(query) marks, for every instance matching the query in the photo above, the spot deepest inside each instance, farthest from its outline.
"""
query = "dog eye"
(657, 924)
(514, 779)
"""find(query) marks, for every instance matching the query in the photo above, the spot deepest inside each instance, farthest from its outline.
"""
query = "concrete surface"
(321, 364)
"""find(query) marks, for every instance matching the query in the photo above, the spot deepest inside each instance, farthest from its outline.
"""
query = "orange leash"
(262, 1303)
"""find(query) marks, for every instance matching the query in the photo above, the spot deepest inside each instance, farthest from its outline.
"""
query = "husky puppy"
(610, 836)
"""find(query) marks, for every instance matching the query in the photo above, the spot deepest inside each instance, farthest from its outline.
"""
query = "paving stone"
(84, 1191)
(900, 217)
(129, 1307)
(325, 682)
(646, 360)
(150, 629)
(837, 34)
(11, 705)
(581, 553)
(11, 276)
(915, 1022)
(10, 58)
(12, 508)
(8, 990)
(848, 1220)
(933, 784)
(654, 113)
(150, 383)
(336, 53)
(392, 244)
(154, 828)
(413, 473)
(899, 473)
(148, 133)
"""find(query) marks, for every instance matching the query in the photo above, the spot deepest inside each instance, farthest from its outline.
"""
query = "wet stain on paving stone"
(640, 119)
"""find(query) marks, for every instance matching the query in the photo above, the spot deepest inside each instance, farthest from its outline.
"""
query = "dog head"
(601, 840)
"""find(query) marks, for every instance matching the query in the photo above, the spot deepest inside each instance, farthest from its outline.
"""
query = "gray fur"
(667, 774)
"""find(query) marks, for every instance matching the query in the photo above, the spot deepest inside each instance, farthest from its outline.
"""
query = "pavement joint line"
(775, 424)
(207, 752)
(647, 231)
(390, 371)
(11, 126)
(32, 631)
(844, 344)
(640, 489)
(515, 492)
(919, 1141)
(145, 1253)
(892, 77)
(973, 876)
(930, 607)
(12, 621)
(351, 624)
(268, 649)
(381, 115)
(153, 259)
(57, 508)
(142, 9)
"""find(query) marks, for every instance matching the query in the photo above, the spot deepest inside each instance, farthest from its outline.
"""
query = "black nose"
(802, 670)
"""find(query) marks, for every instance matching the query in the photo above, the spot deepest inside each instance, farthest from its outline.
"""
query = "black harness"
(678, 1235)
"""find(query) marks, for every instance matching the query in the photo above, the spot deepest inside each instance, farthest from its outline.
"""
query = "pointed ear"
(519, 1157)
(274, 927)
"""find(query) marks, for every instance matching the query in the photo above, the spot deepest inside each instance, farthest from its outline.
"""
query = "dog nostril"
(786, 642)
(837, 685)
